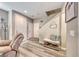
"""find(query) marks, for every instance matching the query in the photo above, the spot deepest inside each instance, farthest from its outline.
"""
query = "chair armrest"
(5, 49)
(5, 42)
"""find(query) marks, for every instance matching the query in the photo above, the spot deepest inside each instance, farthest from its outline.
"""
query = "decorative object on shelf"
(71, 11)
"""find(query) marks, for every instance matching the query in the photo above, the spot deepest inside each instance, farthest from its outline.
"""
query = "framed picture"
(71, 11)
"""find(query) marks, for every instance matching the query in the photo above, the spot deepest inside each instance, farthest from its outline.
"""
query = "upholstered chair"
(9, 48)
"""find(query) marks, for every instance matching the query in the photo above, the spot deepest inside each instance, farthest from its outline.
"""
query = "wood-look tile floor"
(32, 49)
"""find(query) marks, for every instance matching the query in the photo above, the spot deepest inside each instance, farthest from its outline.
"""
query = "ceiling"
(35, 10)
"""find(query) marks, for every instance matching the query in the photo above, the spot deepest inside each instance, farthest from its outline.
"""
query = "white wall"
(36, 28)
(78, 30)
(45, 31)
(63, 29)
(20, 25)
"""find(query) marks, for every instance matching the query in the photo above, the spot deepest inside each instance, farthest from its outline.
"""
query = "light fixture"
(25, 11)
(53, 26)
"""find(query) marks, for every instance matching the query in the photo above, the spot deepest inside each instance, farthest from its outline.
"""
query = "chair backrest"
(17, 41)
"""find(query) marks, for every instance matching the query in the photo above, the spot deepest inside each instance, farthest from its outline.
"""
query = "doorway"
(29, 28)
(4, 33)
